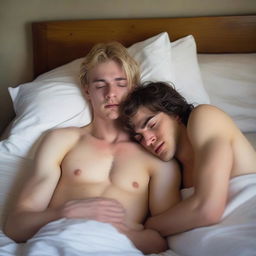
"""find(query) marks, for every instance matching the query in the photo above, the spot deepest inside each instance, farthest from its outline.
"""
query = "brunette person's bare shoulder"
(206, 112)
(207, 121)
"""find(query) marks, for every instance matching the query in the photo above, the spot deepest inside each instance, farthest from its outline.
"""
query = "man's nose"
(149, 138)
(111, 91)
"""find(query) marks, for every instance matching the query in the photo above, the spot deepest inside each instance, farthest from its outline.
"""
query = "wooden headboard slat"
(58, 42)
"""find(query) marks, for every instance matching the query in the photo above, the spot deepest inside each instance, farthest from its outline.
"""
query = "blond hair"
(115, 51)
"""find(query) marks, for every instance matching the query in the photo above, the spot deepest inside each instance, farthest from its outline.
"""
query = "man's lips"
(159, 147)
(111, 105)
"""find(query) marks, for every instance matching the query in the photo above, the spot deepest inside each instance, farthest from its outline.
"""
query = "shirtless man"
(96, 172)
(205, 141)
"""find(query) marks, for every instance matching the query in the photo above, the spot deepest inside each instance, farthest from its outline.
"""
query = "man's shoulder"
(205, 114)
(207, 121)
(67, 133)
(205, 109)
(63, 131)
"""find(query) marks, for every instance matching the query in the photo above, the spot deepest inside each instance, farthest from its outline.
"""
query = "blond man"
(95, 172)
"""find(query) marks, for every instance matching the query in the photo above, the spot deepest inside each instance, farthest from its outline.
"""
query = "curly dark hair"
(158, 97)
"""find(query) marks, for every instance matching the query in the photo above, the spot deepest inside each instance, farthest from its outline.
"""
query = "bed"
(209, 60)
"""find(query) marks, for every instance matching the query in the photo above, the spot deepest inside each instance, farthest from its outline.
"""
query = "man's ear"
(86, 91)
(177, 118)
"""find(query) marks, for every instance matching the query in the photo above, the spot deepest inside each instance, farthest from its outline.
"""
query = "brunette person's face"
(156, 132)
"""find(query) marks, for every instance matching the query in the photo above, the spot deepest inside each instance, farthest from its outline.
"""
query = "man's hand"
(149, 223)
(99, 209)
(148, 240)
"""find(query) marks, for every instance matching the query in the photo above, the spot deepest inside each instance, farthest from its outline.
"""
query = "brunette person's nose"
(150, 138)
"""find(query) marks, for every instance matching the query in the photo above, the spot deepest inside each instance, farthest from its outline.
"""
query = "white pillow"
(188, 80)
(50, 101)
(54, 99)
(230, 80)
(154, 57)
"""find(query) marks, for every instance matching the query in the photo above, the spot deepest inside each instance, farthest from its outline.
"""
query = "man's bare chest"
(99, 163)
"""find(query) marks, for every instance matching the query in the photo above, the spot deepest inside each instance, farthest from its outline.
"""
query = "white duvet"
(73, 237)
(235, 235)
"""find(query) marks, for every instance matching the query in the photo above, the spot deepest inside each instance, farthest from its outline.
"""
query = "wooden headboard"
(58, 42)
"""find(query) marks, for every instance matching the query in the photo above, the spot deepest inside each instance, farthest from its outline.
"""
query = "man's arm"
(30, 212)
(209, 132)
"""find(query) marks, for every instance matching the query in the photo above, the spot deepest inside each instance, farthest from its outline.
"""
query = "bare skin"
(96, 172)
(211, 150)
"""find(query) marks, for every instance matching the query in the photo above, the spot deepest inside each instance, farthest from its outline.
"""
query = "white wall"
(16, 17)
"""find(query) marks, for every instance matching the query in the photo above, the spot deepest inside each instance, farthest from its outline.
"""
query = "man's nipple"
(135, 184)
(77, 172)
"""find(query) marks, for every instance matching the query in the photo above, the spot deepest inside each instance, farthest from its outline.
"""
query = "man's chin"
(113, 116)
(165, 157)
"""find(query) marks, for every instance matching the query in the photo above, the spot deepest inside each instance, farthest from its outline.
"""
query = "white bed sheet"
(234, 235)
(13, 171)
(230, 82)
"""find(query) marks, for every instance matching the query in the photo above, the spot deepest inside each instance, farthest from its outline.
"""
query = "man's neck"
(108, 130)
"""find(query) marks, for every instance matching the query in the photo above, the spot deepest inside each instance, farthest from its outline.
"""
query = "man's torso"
(96, 168)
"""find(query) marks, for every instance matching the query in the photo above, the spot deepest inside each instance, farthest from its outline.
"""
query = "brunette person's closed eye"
(138, 137)
(152, 125)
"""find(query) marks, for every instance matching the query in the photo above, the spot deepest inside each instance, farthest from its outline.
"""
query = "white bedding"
(73, 237)
(13, 171)
(235, 235)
